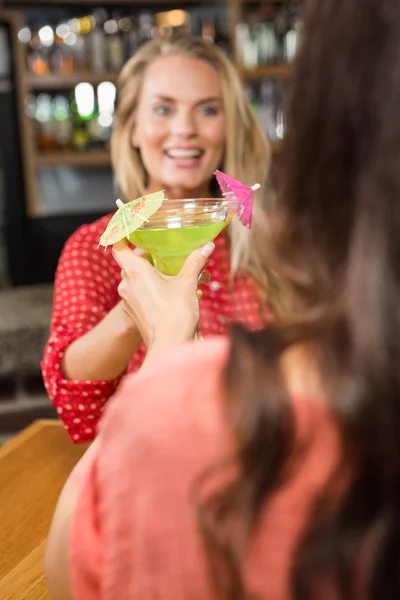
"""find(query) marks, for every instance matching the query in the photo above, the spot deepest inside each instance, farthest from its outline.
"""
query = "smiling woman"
(180, 134)
(182, 114)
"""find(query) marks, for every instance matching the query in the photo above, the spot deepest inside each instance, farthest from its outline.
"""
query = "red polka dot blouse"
(86, 290)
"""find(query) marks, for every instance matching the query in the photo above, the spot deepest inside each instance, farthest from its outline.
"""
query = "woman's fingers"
(143, 254)
(129, 260)
(139, 252)
(122, 253)
(196, 262)
(127, 310)
(164, 309)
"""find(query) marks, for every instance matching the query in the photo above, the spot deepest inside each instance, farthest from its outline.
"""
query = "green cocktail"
(178, 228)
(169, 248)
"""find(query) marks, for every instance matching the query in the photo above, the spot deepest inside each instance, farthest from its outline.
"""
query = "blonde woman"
(182, 114)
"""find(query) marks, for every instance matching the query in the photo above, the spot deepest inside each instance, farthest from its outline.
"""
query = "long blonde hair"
(247, 152)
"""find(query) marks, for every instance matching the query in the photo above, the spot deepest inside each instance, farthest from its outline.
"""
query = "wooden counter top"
(33, 469)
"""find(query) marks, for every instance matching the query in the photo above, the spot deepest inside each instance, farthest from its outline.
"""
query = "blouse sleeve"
(85, 291)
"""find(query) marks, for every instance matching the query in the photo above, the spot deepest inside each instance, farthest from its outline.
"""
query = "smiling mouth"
(184, 153)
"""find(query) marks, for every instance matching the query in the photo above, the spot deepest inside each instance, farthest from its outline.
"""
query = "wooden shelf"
(57, 158)
(281, 71)
(58, 82)
(130, 3)
(274, 1)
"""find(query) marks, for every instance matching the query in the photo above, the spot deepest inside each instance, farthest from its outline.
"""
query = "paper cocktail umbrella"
(241, 193)
(130, 217)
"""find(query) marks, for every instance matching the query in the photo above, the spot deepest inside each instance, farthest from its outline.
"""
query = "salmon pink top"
(85, 291)
(133, 534)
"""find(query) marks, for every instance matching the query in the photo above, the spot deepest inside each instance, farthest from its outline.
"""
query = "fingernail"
(208, 249)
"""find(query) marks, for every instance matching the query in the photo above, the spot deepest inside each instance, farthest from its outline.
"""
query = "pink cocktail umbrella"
(242, 193)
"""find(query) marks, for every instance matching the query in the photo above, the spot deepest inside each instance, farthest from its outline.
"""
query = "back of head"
(246, 153)
(339, 255)
(341, 187)
(337, 251)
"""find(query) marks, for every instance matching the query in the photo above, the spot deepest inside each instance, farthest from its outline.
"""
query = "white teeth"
(183, 153)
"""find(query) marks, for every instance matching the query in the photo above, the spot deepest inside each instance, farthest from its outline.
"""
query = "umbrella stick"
(143, 219)
(254, 188)
(121, 205)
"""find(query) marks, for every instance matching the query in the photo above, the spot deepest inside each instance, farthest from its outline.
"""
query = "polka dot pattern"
(86, 290)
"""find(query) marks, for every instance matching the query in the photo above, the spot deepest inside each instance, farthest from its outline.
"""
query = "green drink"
(169, 248)
(178, 228)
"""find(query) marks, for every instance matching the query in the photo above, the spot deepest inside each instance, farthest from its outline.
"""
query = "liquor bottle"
(80, 137)
(208, 29)
(146, 27)
(267, 38)
(132, 38)
(246, 46)
(97, 42)
(79, 50)
(83, 109)
(115, 44)
(281, 27)
(94, 131)
(290, 45)
(57, 58)
(67, 64)
(268, 107)
(106, 94)
(62, 122)
(44, 123)
(292, 36)
(37, 59)
(125, 26)
(222, 35)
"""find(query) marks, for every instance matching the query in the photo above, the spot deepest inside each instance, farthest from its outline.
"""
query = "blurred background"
(59, 64)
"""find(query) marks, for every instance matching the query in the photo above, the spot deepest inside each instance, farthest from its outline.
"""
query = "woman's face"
(180, 126)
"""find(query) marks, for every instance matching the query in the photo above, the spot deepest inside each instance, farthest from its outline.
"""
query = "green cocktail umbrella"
(130, 216)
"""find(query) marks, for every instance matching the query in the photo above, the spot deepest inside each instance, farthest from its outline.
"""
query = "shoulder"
(90, 232)
(180, 374)
(175, 405)
(84, 242)
(177, 399)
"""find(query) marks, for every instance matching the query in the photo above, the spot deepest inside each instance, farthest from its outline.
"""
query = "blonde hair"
(247, 153)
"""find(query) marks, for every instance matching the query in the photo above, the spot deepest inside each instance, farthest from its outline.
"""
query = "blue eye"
(209, 111)
(162, 110)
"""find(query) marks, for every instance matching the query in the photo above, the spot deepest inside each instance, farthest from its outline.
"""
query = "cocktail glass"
(179, 227)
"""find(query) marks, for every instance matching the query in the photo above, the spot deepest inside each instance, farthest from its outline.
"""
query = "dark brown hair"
(337, 253)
